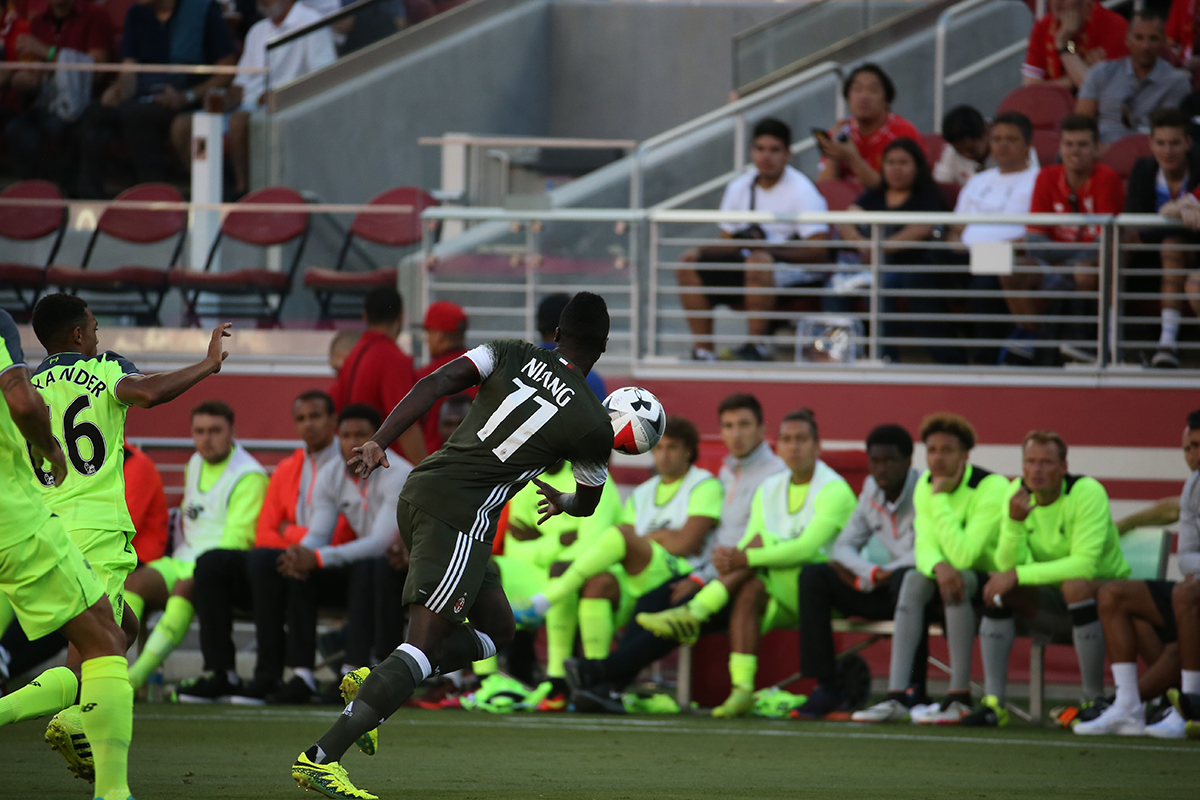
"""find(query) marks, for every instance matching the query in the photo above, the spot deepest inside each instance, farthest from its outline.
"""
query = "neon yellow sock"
(48, 693)
(488, 666)
(7, 615)
(561, 622)
(606, 550)
(167, 635)
(137, 604)
(596, 627)
(106, 699)
(742, 669)
(709, 600)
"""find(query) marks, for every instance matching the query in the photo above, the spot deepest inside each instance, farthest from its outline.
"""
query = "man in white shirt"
(772, 186)
(1006, 188)
(288, 62)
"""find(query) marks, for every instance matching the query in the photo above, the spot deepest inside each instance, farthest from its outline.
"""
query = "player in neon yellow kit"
(88, 394)
(49, 584)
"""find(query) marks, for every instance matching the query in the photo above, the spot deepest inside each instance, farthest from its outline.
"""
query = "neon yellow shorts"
(520, 579)
(112, 557)
(663, 567)
(47, 580)
(173, 570)
(783, 589)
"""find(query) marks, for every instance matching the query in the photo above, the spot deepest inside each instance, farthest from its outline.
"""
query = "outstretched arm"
(452, 378)
(147, 391)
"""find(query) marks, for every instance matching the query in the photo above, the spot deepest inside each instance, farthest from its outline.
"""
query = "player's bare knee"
(1111, 598)
(1078, 591)
(750, 594)
(1185, 599)
(602, 587)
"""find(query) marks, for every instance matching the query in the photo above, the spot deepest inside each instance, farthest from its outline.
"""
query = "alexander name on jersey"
(70, 374)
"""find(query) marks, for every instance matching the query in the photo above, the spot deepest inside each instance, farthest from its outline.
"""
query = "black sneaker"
(255, 692)
(752, 352)
(212, 688)
(584, 673)
(294, 693)
(821, 702)
(597, 700)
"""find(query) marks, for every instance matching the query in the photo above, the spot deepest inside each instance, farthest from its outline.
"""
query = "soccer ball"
(638, 420)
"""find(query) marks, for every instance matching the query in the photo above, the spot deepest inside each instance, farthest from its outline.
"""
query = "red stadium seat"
(1045, 144)
(839, 194)
(934, 145)
(386, 229)
(1045, 105)
(251, 289)
(949, 194)
(1122, 153)
(133, 226)
(22, 282)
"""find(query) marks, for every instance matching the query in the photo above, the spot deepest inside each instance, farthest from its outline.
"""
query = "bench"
(1146, 549)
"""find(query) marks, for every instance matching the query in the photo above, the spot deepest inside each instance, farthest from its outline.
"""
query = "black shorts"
(722, 278)
(446, 567)
(1160, 591)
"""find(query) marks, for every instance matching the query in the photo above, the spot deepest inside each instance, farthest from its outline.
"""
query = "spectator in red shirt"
(376, 371)
(854, 148)
(1079, 185)
(147, 505)
(1065, 43)
(1181, 35)
(445, 332)
(50, 105)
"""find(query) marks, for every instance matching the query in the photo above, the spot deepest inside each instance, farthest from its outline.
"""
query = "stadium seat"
(1045, 144)
(388, 230)
(949, 194)
(249, 290)
(21, 283)
(1045, 105)
(132, 226)
(1121, 154)
(839, 194)
(934, 145)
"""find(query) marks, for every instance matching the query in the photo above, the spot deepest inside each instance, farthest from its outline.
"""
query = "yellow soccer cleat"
(65, 734)
(369, 741)
(678, 624)
(739, 703)
(328, 779)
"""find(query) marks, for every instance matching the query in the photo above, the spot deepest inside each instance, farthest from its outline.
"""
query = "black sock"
(899, 697)
(962, 697)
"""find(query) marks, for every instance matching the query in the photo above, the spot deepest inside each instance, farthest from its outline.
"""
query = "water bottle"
(154, 686)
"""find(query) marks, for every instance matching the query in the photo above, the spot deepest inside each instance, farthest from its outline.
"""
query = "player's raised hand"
(216, 345)
(551, 502)
(366, 459)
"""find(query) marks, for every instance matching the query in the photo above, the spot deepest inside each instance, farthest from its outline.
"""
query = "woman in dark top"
(907, 185)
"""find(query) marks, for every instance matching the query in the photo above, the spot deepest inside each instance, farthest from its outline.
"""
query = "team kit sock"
(562, 620)
(106, 698)
(996, 637)
(1088, 635)
(711, 598)
(596, 627)
(49, 693)
(165, 637)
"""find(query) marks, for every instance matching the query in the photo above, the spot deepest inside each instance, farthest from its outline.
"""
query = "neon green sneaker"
(369, 741)
(990, 713)
(678, 624)
(497, 694)
(654, 704)
(775, 703)
(328, 779)
(738, 704)
(65, 734)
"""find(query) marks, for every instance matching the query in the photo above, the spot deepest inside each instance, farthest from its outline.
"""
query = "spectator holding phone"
(854, 148)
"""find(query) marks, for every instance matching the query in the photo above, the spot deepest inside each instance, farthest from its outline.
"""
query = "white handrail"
(939, 54)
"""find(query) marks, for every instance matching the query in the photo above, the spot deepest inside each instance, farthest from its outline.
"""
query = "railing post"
(652, 300)
(635, 294)
(1114, 315)
(876, 279)
(739, 141)
(532, 260)
(939, 69)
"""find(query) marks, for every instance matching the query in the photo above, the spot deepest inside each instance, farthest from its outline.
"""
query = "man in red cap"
(376, 371)
(445, 333)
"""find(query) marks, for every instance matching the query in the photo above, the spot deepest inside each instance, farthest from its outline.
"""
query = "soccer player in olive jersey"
(534, 408)
(88, 394)
(1057, 545)
(49, 583)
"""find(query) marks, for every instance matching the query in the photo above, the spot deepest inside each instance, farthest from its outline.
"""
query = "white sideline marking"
(665, 726)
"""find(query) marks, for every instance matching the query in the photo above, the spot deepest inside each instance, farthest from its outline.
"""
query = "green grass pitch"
(238, 754)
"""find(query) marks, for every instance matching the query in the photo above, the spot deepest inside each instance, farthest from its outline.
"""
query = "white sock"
(1126, 677)
(1191, 681)
(305, 674)
(231, 676)
(1170, 328)
(540, 604)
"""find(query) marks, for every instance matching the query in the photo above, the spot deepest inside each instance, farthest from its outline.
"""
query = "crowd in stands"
(93, 133)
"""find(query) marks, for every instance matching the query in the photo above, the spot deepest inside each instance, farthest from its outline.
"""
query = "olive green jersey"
(533, 409)
(88, 420)
(24, 512)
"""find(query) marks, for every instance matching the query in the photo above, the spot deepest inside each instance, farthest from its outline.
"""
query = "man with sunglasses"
(1079, 185)
(1120, 94)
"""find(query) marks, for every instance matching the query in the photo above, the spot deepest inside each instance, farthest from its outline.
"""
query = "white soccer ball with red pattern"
(638, 419)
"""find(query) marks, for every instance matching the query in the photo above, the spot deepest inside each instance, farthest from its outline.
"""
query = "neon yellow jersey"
(522, 512)
(89, 422)
(24, 511)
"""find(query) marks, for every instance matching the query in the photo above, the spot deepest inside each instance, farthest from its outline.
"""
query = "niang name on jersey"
(540, 373)
(76, 375)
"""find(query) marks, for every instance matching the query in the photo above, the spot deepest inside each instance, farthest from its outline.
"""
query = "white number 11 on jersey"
(531, 426)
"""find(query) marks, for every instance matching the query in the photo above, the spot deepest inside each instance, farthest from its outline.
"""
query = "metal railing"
(960, 315)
